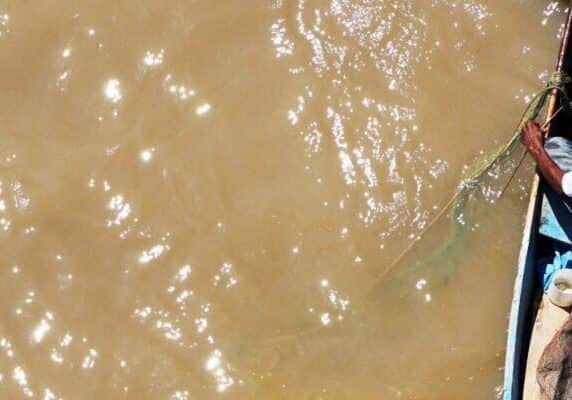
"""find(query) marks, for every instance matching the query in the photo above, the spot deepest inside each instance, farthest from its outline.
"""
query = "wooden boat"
(533, 319)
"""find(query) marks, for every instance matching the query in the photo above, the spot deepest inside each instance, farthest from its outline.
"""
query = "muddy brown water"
(196, 195)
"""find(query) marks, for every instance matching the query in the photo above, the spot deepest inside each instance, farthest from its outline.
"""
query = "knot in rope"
(558, 80)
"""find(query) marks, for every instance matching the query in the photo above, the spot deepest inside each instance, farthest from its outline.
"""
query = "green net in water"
(474, 173)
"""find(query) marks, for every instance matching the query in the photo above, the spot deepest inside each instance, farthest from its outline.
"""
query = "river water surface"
(196, 196)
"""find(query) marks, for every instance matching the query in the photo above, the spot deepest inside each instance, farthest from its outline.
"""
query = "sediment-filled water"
(196, 197)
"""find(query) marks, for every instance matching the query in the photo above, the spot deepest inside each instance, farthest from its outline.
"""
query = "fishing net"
(474, 173)
(554, 373)
(472, 177)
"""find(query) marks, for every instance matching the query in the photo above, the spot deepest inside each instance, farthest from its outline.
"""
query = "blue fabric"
(556, 214)
(560, 261)
(560, 150)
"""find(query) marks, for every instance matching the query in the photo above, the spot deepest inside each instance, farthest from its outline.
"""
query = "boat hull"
(526, 291)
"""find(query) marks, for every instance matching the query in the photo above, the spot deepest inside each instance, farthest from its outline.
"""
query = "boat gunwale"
(520, 305)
